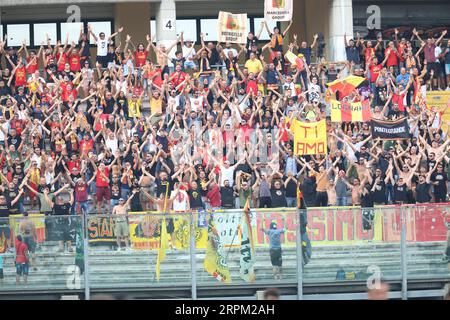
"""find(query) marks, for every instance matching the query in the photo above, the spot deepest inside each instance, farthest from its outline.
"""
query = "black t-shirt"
(367, 200)
(423, 192)
(62, 209)
(307, 53)
(15, 141)
(278, 197)
(161, 186)
(4, 212)
(379, 194)
(227, 197)
(441, 179)
(195, 198)
(115, 191)
(291, 189)
(400, 193)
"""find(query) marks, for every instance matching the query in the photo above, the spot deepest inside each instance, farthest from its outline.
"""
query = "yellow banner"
(440, 100)
(309, 138)
(145, 231)
(232, 27)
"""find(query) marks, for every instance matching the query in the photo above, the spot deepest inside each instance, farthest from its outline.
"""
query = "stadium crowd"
(209, 127)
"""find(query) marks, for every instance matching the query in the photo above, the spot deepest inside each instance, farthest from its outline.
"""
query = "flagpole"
(164, 217)
(240, 222)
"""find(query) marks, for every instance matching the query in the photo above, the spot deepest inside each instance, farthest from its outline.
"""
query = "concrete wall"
(135, 19)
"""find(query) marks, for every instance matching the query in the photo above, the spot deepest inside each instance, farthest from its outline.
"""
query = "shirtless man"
(121, 228)
(162, 54)
(162, 206)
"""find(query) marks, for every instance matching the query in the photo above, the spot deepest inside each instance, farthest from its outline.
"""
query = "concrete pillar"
(135, 19)
(341, 22)
(166, 14)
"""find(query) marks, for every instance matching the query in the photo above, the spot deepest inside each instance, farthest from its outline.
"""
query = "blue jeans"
(341, 201)
(84, 206)
(124, 193)
(291, 202)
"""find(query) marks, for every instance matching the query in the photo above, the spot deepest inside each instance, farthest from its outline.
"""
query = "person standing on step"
(61, 210)
(121, 227)
(274, 235)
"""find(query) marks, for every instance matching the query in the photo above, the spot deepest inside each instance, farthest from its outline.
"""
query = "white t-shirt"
(188, 53)
(5, 126)
(180, 203)
(197, 103)
(226, 174)
(235, 53)
(102, 47)
(437, 53)
(113, 144)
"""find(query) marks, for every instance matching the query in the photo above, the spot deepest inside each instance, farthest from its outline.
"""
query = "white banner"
(247, 259)
(278, 10)
(232, 27)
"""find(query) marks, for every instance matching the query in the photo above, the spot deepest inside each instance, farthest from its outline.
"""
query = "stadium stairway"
(135, 269)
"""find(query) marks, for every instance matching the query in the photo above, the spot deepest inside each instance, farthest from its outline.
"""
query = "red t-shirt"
(63, 61)
(21, 76)
(21, 249)
(33, 67)
(81, 192)
(100, 181)
(177, 78)
(74, 164)
(375, 72)
(392, 58)
(252, 86)
(157, 77)
(400, 49)
(140, 57)
(213, 196)
(86, 146)
(74, 62)
(369, 53)
(398, 99)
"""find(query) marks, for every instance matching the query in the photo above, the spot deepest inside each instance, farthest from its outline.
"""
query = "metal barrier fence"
(226, 247)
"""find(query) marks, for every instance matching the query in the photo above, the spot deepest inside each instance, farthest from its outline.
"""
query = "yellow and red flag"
(294, 60)
(345, 86)
(344, 111)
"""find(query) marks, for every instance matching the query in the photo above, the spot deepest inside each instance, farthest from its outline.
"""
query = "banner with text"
(232, 27)
(278, 10)
(390, 130)
(350, 112)
(309, 138)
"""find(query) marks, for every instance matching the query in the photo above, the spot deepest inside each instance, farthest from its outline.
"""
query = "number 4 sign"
(168, 24)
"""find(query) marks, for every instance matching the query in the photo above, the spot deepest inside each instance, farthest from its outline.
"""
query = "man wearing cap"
(274, 235)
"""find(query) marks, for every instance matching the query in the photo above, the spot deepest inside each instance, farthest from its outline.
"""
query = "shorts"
(121, 228)
(435, 66)
(102, 193)
(22, 269)
(190, 65)
(5, 229)
(29, 241)
(169, 225)
(447, 69)
(62, 226)
(275, 257)
(102, 60)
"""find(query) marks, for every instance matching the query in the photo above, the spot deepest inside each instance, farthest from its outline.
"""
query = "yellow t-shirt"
(254, 66)
(134, 108)
(156, 105)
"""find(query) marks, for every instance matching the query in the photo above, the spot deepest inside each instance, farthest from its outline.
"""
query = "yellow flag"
(163, 246)
(215, 262)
